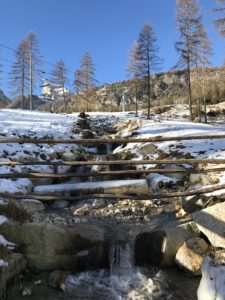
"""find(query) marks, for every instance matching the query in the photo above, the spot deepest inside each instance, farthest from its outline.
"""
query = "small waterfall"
(121, 258)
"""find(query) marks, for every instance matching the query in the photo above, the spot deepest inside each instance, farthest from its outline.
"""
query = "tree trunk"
(31, 80)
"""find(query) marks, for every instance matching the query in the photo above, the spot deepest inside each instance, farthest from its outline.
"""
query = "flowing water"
(124, 281)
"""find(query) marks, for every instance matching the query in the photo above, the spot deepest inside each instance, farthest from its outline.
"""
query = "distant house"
(51, 92)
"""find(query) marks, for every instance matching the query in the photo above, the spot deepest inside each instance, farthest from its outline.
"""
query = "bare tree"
(205, 50)
(189, 23)
(148, 57)
(59, 78)
(77, 81)
(34, 62)
(220, 22)
(87, 72)
(19, 75)
(134, 69)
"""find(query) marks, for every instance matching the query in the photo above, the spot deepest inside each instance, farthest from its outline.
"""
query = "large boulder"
(51, 247)
(211, 222)
(159, 247)
(190, 255)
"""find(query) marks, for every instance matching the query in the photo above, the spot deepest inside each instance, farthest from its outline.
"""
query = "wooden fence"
(154, 169)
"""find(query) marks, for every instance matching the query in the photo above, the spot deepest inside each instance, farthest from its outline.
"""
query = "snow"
(3, 219)
(212, 285)
(19, 186)
(6, 243)
(3, 263)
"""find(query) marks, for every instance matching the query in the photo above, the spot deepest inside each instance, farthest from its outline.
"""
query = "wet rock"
(190, 255)
(211, 222)
(52, 247)
(56, 279)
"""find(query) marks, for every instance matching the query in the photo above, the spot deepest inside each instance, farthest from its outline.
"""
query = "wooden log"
(111, 196)
(108, 173)
(114, 162)
(109, 141)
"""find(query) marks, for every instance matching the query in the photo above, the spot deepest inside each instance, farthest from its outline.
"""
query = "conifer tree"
(87, 72)
(34, 62)
(59, 78)
(77, 81)
(220, 22)
(189, 24)
(148, 57)
(19, 75)
(134, 69)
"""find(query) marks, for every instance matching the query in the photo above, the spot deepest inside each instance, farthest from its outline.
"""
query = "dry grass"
(14, 211)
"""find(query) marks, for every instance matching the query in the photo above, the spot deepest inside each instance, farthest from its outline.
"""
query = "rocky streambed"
(110, 248)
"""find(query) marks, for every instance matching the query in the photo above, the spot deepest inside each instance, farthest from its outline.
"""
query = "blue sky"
(107, 29)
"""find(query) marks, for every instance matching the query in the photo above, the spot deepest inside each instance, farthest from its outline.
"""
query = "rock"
(82, 210)
(59, 204)
(82, 115)
(71, 156)
(159, 247)
(56, 279)
(178, 176)
(98, 203)
(148, 149)
(83, 123)
(32, 205)
(55, 247)
(193, 203)
(27, 291)
(190, 255)
(200, 179)
(87, 134)
(211, 222)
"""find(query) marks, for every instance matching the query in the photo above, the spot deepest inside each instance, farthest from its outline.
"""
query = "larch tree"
(87, 79)
(134, 69)
(77, 81)
(59, 78)
(220, 21)
(87, 72)
(19, 75)
(148, 57)
(205, 52)
(34, 62)
(188, 23)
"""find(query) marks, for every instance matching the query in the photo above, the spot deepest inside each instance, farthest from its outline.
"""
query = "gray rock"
(211, 222)
(32, 206)
(60, 204)
(52, 247)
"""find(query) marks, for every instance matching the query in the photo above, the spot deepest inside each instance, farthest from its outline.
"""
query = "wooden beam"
(109, 141)
(116, 197)
(113, 162)
(109, 173)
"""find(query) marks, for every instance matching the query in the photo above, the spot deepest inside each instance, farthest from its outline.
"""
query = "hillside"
(167, 88)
